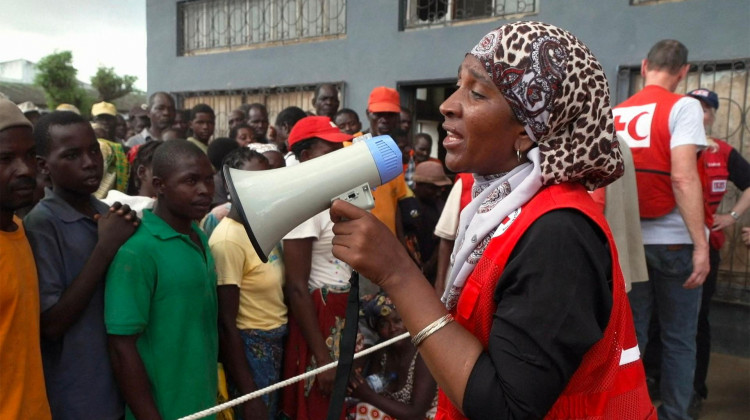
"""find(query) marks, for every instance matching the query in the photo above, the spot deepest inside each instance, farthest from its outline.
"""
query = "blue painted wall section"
(374, 52)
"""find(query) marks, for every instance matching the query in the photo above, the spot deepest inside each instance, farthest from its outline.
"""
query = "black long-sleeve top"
(739, 170)
(553, 303)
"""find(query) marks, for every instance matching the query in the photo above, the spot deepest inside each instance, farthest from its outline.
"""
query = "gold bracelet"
(431, 329)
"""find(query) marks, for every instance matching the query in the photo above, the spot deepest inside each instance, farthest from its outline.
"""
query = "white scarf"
(495, 197)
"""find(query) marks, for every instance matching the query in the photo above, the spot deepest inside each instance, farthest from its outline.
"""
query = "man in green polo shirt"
(160, 295)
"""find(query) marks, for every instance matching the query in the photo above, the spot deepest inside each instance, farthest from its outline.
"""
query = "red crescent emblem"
(631, 127)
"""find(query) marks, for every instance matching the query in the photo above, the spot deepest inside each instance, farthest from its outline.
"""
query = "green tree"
(110, 85)
(57, 76)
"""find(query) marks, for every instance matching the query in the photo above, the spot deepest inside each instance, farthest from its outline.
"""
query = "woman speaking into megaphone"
(534, 321)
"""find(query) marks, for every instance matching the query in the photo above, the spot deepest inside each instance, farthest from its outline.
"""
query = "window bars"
(275, 99)
(426, 13)
(206, 26)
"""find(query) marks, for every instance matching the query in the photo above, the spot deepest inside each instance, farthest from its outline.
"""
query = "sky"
(111, 33)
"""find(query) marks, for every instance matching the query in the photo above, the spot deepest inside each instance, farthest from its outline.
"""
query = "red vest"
(467, 184)
(643, 121)
(713, 166)
(610, 382)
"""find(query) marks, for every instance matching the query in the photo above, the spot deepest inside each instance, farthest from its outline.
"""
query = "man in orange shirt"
(23, 394)
(383, 113)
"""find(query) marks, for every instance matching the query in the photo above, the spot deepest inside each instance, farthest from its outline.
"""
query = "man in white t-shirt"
(446, 229)
(665, 131)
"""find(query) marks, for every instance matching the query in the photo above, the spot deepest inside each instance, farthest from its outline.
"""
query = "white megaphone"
(272, 203)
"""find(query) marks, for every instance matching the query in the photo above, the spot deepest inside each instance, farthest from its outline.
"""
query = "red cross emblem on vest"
(633, 124)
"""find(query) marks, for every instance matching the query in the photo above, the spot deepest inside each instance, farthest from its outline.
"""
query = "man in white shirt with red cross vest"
(665, 131)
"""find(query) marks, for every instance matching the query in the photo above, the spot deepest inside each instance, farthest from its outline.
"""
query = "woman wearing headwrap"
(543, 326)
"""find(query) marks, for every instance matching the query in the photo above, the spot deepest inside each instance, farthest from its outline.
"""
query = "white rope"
(264, 391)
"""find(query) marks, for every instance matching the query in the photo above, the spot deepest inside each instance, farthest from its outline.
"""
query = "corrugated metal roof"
(21, 92)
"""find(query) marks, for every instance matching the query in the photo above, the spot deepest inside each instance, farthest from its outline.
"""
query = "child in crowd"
(407, 389)
(271, 152)
(202, 123)
(74, 238)
(142, 170)
(241, 158)
(217, 151)
(252, 313)
(140, 189)
(22, 392)
(242, 134)
(348, 121)
(171, 133)
(160, 300)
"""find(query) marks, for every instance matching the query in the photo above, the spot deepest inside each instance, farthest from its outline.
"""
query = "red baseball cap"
(384, 99)
(320, 127)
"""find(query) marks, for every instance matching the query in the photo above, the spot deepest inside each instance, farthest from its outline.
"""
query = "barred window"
(425, 13)
(206, 26)
(275, 99)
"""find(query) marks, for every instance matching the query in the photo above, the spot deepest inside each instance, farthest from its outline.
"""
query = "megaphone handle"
(346, 350)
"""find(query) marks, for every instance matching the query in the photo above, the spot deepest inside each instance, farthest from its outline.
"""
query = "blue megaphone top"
(387, 157)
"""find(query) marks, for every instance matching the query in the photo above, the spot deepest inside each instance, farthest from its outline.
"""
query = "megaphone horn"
(272, 203)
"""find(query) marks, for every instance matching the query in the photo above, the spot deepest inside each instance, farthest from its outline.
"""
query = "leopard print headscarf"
(558, 91)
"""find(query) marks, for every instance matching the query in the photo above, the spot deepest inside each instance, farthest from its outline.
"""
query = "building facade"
(215, 46)
(229, 52)
(18, 71)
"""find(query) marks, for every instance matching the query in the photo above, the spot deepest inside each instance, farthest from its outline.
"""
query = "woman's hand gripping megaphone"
(366, 244)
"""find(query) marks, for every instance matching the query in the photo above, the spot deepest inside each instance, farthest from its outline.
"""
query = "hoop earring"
(518, 155)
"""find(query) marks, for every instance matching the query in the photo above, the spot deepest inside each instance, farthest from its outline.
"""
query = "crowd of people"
(133, 291)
